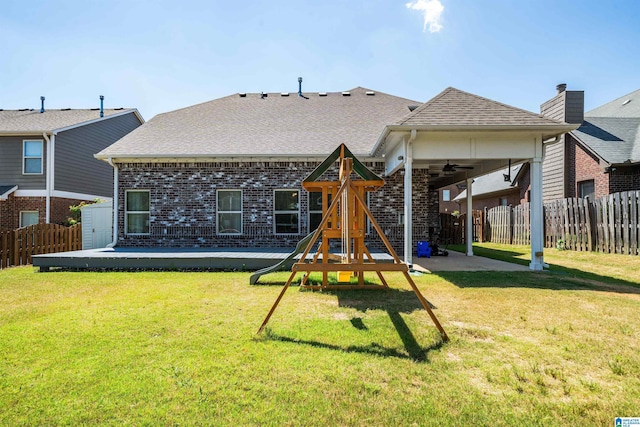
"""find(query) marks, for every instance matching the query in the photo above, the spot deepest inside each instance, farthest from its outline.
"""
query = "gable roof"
(612, 131)
(493, 183)
(35, 122)
(245, 125)
(453, 107)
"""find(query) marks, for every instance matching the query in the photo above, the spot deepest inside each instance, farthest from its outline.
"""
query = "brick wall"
(183, 198)
(624, 179)
(587, 167)
(10, 210)
(60, 209)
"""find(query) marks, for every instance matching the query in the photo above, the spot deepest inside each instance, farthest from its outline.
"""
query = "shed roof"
(244, 125)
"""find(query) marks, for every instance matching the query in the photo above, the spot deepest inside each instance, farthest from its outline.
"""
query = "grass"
(173, 348)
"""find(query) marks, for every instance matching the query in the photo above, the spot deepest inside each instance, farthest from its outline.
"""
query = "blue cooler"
(424, 249)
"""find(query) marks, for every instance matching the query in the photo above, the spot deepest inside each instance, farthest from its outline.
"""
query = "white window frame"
(127, 212)
(25, 157)
(29, 212)
(218, 211)
(284, 212)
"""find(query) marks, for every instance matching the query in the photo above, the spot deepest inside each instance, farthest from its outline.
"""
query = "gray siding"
(76, 169)
(567, 106)
(11, 164)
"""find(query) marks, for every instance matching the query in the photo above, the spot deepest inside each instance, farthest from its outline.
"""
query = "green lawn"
(173, 348)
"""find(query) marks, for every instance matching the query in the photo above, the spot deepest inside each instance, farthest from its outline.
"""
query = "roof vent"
(412, 107)
(23, 109)
(626, 102)
(42, 104)
(561, 87)
(322, 93)
(284, 94)
(263, 95)
(346, 93)
(101, 105)
(370, 93)
(65, 109)
(119, 108)
(243, 94)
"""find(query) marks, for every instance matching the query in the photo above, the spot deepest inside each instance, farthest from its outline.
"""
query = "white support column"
(408, 205)
(537, 216)
(469, 219)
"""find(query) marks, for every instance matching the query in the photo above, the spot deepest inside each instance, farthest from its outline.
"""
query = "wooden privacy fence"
(17, 246)
(610, 224)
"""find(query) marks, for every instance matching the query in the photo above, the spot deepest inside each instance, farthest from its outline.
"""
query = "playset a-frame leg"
(345, 219)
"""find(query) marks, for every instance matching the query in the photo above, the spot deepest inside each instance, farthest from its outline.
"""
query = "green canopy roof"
(359, 168)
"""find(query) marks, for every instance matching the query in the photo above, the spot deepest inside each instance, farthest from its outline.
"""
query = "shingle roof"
(453, 107)
(5, 190)
(13, 121)
(272, 126)
(492, 182)
(613, 130)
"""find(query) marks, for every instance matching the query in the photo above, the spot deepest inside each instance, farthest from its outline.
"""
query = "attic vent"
(65, 109)
(23, 109)
(242, 95)
(94, 109)
(626, 102)
(284, 94)
(412, 107)
(346, 93)
(119, 108)
(370, 93)
(322, 94)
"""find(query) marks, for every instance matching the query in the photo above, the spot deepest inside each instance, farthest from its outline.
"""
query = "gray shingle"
(272, 126)
(12, 121)
(453, 107)
(613, 130)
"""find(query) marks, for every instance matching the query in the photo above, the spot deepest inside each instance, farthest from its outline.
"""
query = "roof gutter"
(48, 185)
(115, 204)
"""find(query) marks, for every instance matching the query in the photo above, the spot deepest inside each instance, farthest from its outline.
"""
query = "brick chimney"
(567, 106)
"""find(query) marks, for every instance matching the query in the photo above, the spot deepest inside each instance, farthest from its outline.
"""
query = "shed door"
(101, 227)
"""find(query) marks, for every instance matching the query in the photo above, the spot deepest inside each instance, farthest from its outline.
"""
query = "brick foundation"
(183, 203)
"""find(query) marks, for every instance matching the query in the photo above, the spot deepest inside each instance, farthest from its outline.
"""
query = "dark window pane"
(287, 223)
(137, 200)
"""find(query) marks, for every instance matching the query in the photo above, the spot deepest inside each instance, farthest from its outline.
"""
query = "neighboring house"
(47, 160)
(602, 156)
(499, 188)
(228, 172)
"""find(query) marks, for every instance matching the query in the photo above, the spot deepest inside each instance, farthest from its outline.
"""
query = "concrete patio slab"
(457, 261)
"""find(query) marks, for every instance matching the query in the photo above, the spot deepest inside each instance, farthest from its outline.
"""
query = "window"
(28, 218)
(446, 195)
(586, 189)
(32, 157)
(315, 209)
(503, 201)
(136, 212)
(285, 212)
(229, 212)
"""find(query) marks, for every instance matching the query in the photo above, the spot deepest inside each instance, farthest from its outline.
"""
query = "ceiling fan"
(453, 167)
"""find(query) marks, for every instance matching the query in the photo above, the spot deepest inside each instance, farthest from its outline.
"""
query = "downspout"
(115, 204)
(48, 180)
(408, 199)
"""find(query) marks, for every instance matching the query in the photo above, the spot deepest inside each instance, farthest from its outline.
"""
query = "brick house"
(47, 163)
(228, 172)
(499, 188)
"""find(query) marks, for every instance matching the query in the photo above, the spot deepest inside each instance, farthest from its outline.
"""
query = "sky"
(160, 55)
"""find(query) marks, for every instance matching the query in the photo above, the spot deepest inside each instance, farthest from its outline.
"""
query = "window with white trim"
(286, 212)
(586, 189)
(446, 195)
(32, 154)
(136, 215)
(229, 212)
(28, 218)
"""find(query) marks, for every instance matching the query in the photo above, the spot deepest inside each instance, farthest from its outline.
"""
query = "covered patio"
(459, 136)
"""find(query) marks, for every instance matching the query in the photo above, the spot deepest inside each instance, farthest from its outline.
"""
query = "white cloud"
(431, 9)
